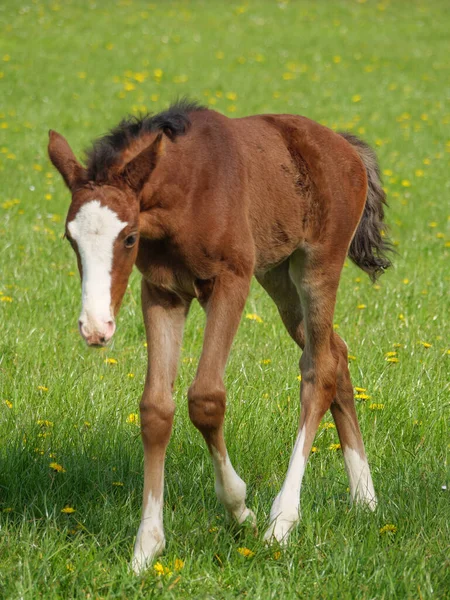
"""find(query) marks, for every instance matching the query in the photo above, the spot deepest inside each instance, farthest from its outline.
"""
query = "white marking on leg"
(95, 229)
(150, 540)
(284, 513)
(361, 486)
(230, 489)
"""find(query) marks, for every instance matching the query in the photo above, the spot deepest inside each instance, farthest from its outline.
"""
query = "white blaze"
(95, 229)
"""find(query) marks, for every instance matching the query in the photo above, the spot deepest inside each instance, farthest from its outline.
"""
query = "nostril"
(110, 328)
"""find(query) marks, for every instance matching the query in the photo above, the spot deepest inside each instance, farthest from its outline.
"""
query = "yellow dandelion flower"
(266, 361)
(392, 359)
(277, 555)
(129, 86)
(406, 281)
(158, 73)
(231, 95)
(246, 552)
(406, 183)
(42, 388)
(362, 396)
(328, 426)
(351, 357)
(356, 98)
(133, 418)
(389, 528)
(337, 59)
(8, 403)
(82, 75)
(419, 172)
(70, 567)
(6, 299)
(44, 423)
(425, 344)
(140, 77)
(130, 375)
(360, 390)
(299, 377)
(391, 353)
(178, 564)
(254, 317)
(361, 306)
(57, 467)
(68, 510)
(388, 172)
(314, 449)
(111, 361)
(432, 224)
(334, 447)
(375, 406)
(158, 568)
(287, 76)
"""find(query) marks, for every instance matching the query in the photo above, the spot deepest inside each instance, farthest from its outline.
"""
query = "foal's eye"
(130, 241)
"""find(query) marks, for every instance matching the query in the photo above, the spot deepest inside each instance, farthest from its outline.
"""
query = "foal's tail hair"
(370, 245)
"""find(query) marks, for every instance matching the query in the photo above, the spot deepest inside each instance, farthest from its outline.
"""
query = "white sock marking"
(95, 229)
(230, 489)
(284, 513)
(361, 486)
(150, 540)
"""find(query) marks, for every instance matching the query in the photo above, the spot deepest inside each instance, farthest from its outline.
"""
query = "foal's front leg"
(207, 396)
(164, 317)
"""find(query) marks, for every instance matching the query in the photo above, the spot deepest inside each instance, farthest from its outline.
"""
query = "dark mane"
(106, 151)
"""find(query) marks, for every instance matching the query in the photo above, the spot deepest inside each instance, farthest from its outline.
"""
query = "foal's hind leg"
(316, 278)
(282, 290)
(344, 414)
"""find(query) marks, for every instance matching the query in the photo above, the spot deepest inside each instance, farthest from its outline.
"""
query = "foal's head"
(102, 226)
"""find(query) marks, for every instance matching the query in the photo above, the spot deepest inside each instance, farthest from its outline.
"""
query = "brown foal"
(200, 203)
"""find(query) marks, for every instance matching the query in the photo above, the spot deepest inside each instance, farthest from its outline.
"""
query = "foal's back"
(295, 181)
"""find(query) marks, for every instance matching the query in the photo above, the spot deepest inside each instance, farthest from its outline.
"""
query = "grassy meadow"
(69, 431)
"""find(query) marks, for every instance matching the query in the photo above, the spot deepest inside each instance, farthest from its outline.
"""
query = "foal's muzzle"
(96, 334)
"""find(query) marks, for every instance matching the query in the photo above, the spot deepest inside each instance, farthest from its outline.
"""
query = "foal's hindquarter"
(281, 199)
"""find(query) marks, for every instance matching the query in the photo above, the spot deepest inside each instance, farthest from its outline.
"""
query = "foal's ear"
(64, 159)
(138, 170)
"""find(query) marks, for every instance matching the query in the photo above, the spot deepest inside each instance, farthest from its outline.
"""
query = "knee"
(157, 412)
(206, 405)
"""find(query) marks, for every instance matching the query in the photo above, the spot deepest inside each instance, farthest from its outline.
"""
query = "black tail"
(370, 245)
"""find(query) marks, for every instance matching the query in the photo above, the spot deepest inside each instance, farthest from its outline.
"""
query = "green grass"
(380, 69)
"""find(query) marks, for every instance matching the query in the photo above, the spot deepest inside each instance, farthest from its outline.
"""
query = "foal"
(200, 203)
